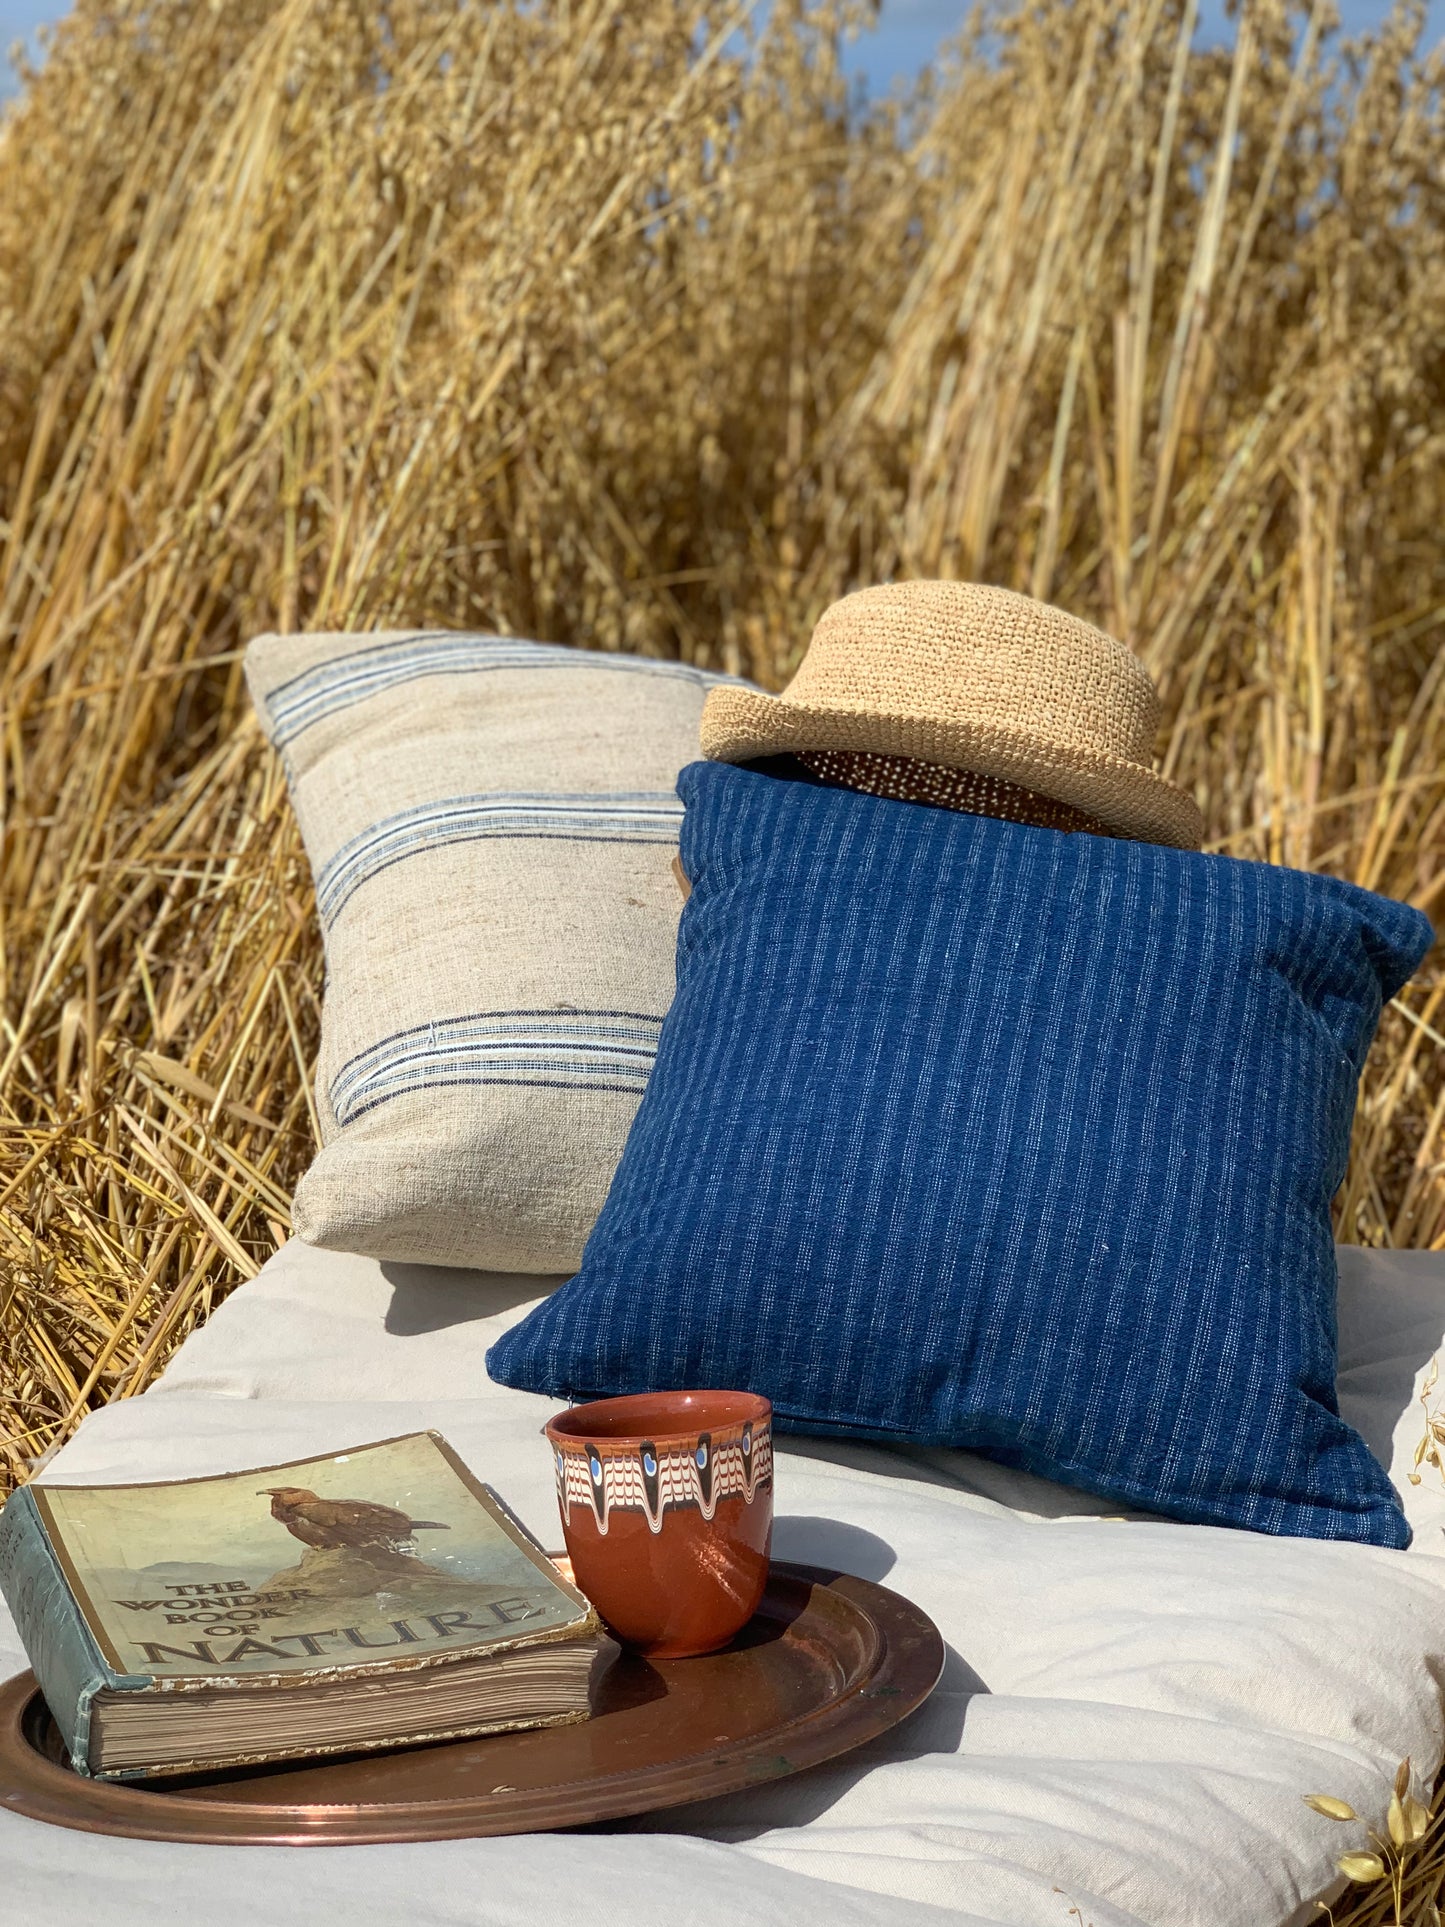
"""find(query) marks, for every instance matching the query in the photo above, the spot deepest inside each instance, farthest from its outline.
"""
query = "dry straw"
(583, 320)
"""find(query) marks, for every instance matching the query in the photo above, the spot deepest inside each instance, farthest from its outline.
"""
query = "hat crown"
(963, 653)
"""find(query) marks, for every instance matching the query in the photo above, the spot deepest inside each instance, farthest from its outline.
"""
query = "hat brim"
(740, 724)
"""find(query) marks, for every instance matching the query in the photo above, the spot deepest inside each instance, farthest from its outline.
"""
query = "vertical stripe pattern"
(973, 1134)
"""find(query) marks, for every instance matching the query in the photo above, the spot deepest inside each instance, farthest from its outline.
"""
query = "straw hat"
(972, 678)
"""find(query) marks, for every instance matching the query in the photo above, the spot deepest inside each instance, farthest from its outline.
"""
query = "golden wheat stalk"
(614, 324)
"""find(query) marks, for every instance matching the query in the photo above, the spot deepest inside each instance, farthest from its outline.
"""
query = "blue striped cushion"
(971, 1134)
(330, 687)
(491, 824)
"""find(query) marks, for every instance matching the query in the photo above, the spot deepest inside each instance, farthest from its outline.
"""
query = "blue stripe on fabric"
(972, 1134)
(593, 1050)
(633, 816)
(342, 681)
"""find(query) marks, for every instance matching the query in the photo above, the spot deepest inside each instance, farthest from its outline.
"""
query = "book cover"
(387, 1556)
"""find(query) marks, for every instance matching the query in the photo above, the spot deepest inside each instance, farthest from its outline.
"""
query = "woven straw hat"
(978, 679)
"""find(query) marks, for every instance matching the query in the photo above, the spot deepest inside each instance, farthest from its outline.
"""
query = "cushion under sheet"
(1130, 1713)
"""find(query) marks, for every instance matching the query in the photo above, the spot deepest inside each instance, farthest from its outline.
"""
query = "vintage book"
(376, 1597)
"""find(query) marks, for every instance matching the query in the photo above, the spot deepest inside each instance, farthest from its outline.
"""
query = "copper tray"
(828, 1663)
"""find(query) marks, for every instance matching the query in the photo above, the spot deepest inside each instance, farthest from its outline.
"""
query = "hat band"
(906, 779)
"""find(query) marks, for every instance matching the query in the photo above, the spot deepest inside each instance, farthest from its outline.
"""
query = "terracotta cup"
(667, 1510)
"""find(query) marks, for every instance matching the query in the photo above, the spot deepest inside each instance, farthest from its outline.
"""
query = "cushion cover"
(974, 1134)
(491, 825)
(1128, 1718)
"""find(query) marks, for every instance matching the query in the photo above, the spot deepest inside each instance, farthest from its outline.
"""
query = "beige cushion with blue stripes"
(491, 825)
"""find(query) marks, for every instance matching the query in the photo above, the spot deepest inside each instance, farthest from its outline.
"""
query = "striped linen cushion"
(491, 824)
(973, 1134)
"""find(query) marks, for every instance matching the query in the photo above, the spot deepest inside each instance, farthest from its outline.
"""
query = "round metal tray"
(828, 1663)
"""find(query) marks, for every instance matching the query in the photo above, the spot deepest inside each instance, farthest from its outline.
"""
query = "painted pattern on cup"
(654, 1479)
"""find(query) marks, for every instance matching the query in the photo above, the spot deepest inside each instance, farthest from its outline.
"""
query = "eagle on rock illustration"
(330, 1524)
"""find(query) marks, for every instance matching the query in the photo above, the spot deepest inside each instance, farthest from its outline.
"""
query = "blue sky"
(911, 29)
(907, 33)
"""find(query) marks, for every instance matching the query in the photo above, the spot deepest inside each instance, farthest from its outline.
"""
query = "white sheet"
(1131, 1712)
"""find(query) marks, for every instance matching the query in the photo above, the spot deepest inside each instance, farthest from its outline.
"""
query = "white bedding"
(1129, 1717)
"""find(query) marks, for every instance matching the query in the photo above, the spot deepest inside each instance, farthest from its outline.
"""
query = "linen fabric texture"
(491, 824)
(967, 1133)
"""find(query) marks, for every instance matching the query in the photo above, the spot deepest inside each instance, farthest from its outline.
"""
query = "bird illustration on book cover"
(354, 1546)
(390, 1551)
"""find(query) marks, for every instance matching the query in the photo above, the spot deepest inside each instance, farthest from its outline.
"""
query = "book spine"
(67, 1663)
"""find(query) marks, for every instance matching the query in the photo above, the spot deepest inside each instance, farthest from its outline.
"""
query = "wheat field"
(623, 323)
